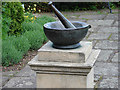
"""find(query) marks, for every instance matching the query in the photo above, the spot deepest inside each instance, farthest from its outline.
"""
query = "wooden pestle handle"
(65, 21)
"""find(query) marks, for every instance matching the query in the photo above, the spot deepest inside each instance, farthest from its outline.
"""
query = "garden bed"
(22, 32)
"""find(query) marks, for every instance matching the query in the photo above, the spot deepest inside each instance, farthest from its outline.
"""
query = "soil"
(22, 63)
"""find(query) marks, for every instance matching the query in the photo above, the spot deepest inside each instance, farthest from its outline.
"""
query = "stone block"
(60, 81)
(64, 74)
(104, 55)
(92, 17)
(98, 36)
(112, 17)
(78, 55)
(100, 22)
(21, 82)
(115, 58)
(106, 44)
(61, 74)
(4, 80)
(108, 29)
(116, 24)
(26, 72)
(109, 82)
(104, 68)
(114, 36)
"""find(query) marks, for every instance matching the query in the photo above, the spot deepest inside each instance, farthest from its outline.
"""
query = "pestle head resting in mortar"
(64, 21)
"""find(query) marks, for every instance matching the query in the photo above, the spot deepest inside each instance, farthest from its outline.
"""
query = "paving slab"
(5, 80)
(98, 36)
(9, 73)
(92, 17)
(108, 29)
(100, 22)
(116, 24)
(109, 82)
(76, 19)
(114, 36)
(100, 81)
(108, 69)
(111, 17)
(97, 78)
(21, 82)
(115, 58)
(106, 44)
(26, 72)
(73, 17)
(104, 55)
(6, 76)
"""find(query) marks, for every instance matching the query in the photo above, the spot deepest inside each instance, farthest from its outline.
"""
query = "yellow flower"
(32, 18)
(34, 9)
(32, 21)
(35, 5)
(35, 17)
(39, 10)
(26, 16)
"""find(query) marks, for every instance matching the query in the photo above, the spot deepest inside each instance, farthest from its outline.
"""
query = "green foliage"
(13, 16)
(10, 55)
(13, 49)
(67, 6)
(44, 19)
(36, 25)
(5, 26)
(112, 5)
(35, 38)
(21, 43)
(36, 7)
(29, 26)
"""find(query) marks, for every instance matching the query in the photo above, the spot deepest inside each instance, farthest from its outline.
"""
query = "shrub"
(21, 43)
(10, 55)
(14, 47)
(35, 38)
(67, 6)
(29, 26)
(36, 7)
(29, 17)
(44, 19)
(5, 26)
(13, 16)
(36, 25)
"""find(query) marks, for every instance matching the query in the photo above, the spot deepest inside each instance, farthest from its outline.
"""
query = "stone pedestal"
(71, 68)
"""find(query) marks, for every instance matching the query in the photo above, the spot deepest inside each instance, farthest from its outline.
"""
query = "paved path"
(103, 34)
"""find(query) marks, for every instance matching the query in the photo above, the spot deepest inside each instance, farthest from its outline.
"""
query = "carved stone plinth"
(71, 68)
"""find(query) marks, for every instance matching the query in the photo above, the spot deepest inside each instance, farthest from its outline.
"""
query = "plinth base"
(62, 74)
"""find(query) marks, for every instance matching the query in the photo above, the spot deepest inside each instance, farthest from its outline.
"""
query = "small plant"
(35, 38)
(31, 26)
(44, 19)
(112, 6)
(10, 55)
(12, 11)
(21, 43)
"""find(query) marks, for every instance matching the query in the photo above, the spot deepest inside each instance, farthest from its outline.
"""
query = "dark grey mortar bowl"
(65, 38)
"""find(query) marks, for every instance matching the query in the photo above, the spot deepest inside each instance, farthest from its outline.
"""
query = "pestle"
(65, 21)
